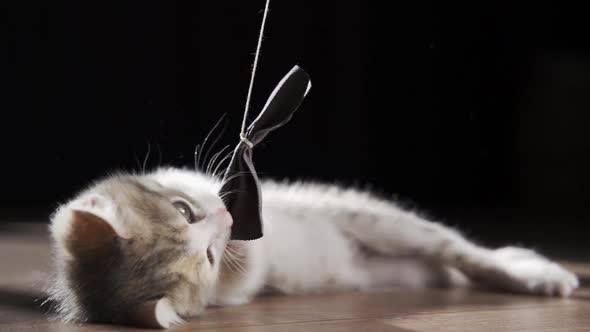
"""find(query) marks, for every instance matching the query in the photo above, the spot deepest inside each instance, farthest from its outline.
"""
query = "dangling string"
(250, 88)
(242, 196)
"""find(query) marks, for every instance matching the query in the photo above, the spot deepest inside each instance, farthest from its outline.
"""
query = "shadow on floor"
(21, 300)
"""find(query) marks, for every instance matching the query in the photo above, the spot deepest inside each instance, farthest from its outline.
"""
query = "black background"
(474, 114)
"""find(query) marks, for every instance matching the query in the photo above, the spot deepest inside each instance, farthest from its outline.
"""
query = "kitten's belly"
(307, 255)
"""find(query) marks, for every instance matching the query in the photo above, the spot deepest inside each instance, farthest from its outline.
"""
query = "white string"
(243, 131)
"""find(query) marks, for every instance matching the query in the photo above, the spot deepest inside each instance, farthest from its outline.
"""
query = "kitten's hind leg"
(388, 230)
(408, 272)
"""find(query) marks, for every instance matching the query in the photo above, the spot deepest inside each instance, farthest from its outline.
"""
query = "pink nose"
(225, 216)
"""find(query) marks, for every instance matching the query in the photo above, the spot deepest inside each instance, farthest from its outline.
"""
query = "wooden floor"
(24, 259)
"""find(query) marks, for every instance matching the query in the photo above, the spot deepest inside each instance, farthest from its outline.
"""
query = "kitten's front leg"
(396, 232)
(241, 274)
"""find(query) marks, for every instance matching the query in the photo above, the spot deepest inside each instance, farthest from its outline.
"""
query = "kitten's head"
(139, 249)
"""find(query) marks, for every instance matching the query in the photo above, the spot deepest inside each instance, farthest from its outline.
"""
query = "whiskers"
(218, 164)
(143, 166)
(147, 156)
(215, 167)
(226, 158)
(234, 260)
(225, 194)
(211, 162)
(200, 147)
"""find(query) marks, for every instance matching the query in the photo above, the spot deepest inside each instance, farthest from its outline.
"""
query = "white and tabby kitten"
(153, 249)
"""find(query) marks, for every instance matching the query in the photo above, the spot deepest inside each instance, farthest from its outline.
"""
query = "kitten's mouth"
(210, 256)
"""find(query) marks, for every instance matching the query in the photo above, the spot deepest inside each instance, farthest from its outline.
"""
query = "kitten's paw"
(530, 272)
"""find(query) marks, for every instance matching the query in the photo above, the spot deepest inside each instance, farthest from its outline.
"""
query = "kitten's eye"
(186, 211)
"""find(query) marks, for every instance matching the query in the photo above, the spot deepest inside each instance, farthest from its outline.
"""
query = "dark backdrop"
(475, 114)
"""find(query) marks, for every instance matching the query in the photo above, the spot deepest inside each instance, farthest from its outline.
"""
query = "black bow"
(241, 189)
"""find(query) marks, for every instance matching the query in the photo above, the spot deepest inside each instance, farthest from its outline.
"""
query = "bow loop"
(241, 188)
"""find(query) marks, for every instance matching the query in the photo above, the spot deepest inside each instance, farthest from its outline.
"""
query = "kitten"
(152, 249)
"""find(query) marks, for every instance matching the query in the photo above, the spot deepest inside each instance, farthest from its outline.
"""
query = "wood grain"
(25, 259)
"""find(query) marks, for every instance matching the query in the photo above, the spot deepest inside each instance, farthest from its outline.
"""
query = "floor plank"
(25, 259)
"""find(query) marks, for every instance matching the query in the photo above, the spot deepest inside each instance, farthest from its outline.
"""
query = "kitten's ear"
(89, 235)
(155, 314)
(87, 226)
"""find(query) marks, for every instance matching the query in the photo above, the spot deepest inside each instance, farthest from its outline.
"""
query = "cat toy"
(241, 186)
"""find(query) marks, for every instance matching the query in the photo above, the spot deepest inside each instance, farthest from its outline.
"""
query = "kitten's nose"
(225, 216)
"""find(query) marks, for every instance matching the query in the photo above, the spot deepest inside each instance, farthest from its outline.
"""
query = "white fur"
(317, 231)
